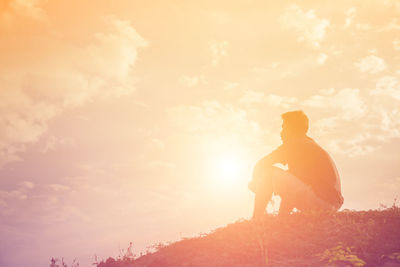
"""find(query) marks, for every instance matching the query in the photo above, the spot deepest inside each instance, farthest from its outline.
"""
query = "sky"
(141, 121)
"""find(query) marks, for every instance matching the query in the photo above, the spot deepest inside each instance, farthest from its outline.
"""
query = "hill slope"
(346, 238)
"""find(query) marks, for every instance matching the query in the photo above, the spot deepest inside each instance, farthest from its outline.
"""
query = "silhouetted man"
(311, 182)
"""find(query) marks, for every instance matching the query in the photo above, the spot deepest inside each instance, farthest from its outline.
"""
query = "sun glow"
(228, 169)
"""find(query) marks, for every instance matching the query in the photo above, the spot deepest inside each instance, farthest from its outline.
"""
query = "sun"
(227, 165)
(228, 169)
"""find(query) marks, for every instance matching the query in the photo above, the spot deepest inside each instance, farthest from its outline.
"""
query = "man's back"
(313, 165)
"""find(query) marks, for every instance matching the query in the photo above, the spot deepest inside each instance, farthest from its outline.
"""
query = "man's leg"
(286, 206)
(260, 204)
(295, 194)
(284, 187)
(263, 191)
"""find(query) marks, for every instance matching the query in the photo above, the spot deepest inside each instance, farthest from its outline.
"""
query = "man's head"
(295, 124)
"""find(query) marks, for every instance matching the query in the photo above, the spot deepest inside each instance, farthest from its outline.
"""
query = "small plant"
(54, 261)
(128, 256)
(341, 256)
(96, 260)
(392, 259)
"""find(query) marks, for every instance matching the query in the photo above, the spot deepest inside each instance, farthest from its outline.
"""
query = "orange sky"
(141, 120)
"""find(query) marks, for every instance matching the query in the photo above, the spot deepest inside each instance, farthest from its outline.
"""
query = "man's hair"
(296, 121)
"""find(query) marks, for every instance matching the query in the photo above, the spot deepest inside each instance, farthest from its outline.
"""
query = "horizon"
(142, 122)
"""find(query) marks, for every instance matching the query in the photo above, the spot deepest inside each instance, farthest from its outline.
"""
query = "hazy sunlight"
(229, 168)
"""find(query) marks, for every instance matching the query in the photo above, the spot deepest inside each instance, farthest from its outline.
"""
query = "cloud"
(17, 9)
(322, 58)
(338, 112)
(280, 101)
(350, 15)
(21, 121)
(387, 86)
(354, 146)
(27, 184)
(348, 102)
(371, 64)
(192, 81)
(12, 195)
(114, 52)
(251, 97)
(229, 86)
(392, 25)
(218, 51)
(396, 44)
(308, 26)
(279, 70)
(59, 187)
(363, 26)
(291, 68)
(29, 8)
(207, 115)
(389, 124)
(53, 142)
(157, 143)
(163, 165)
(55, 76)
(44, 202)
(355, 124)
(20, 193)
(212, 121)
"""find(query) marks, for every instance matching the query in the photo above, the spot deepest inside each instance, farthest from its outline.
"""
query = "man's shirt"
(312, 165)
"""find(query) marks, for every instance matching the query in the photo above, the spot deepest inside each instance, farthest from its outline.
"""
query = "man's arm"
(263, 166)
(276, 156)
